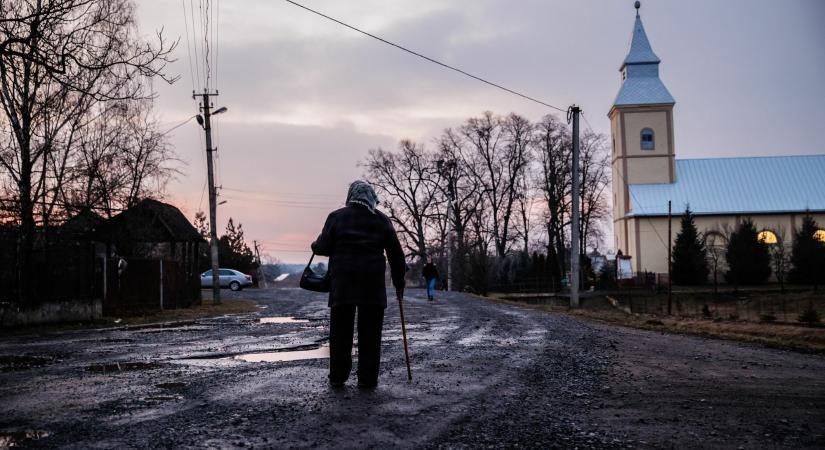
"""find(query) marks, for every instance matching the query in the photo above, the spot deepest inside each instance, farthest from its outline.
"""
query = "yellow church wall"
(634, 122)
(647, 170)
(651, 252)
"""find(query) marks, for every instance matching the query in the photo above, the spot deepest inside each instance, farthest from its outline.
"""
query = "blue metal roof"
(752, 185)
(640, 51)
(643, 91)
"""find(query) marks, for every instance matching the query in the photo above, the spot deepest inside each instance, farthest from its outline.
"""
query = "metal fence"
(148, 284)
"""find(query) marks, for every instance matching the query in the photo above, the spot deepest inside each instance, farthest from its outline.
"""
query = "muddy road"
(485, 375)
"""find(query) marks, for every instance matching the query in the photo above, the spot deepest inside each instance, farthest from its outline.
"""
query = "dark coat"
(429, 271)
(355, 241)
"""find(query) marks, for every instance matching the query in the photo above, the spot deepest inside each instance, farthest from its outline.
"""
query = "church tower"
(641, 125)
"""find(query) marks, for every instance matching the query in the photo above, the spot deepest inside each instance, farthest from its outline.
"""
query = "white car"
(230, 278)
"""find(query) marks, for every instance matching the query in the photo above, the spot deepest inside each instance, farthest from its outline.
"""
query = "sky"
(308, 98)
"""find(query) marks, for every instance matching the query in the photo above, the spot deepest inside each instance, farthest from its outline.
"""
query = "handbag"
(311, 281)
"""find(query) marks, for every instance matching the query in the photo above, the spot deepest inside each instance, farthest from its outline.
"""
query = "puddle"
(122, 366)
(282, 320)
(318, 353)
(187, 329)
(15, 438)
(10, 363)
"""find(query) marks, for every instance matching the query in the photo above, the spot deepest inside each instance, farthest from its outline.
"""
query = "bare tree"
(553, 148)
(780, 258)
(57, 58)
(408, 182)
(499, 154)
(595, 186)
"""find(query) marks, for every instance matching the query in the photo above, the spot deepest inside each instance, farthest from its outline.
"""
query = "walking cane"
(404, 334)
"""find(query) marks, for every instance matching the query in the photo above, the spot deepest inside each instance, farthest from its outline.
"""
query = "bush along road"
(485, 375)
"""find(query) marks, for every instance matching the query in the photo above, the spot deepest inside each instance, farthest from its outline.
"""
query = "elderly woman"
(355, 238)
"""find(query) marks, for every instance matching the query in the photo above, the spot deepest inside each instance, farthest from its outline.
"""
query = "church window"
(766, 237)
(647, 139)
(819, 235)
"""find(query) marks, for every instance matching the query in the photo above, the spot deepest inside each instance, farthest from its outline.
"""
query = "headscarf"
(362, 193)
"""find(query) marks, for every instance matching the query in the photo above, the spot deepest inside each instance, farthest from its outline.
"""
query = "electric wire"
(427, 58)
(276, 193)
(195, 43)
(188, 45)
(178, 126)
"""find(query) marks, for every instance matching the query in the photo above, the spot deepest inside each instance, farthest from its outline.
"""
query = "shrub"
(748, 259)
(690, 264)
(807, 255)
(809, 316)
(767, 318)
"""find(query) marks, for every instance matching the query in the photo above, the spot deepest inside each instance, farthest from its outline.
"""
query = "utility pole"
(205, 122)
(261, 277)
(447, 168)
(669, 261)
(574, 111)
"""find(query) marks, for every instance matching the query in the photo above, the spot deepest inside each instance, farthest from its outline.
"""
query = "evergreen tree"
(202, 225)
(233, 251)
(748, 259)
(807, 255)
(690, 265)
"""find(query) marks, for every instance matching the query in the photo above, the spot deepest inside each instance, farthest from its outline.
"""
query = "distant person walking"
(431, 277)
(355, 238)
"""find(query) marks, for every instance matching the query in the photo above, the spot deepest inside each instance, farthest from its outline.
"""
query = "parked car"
(230, 278)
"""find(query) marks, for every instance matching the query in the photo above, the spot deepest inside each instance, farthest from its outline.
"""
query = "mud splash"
(122, 366)
(9, 363)
(14, 438)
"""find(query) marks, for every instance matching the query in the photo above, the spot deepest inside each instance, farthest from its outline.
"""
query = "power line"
(177, 126)
(195, 42)
(188, 47)
(280, 203)
(435, 61)
(295, 194)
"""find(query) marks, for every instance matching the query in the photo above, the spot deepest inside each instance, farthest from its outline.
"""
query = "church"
(775, 192)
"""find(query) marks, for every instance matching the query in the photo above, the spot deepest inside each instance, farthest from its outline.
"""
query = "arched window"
(767, 237)
(647, 139)
(715, 239)
(819, 235)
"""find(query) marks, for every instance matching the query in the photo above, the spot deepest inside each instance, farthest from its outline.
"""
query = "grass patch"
(784, 335)
(206, 309)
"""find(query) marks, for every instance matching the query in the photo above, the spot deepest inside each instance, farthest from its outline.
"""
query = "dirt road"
(485, 375)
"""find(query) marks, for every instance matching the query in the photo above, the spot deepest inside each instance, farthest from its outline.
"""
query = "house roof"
(84, 222)
(752, 185)
(149, 221)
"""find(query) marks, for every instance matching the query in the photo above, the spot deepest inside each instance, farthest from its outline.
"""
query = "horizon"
(329, 94)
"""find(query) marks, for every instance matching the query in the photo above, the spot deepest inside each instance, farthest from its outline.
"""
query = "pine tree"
(233, 251)
(807, 255)
(202, 225)
(690, 265)
(748, 259)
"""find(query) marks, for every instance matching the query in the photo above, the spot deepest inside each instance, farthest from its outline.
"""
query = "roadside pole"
(206, 107)
(574, 232)
(669, 261)
(447, 169)
(261, 277)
